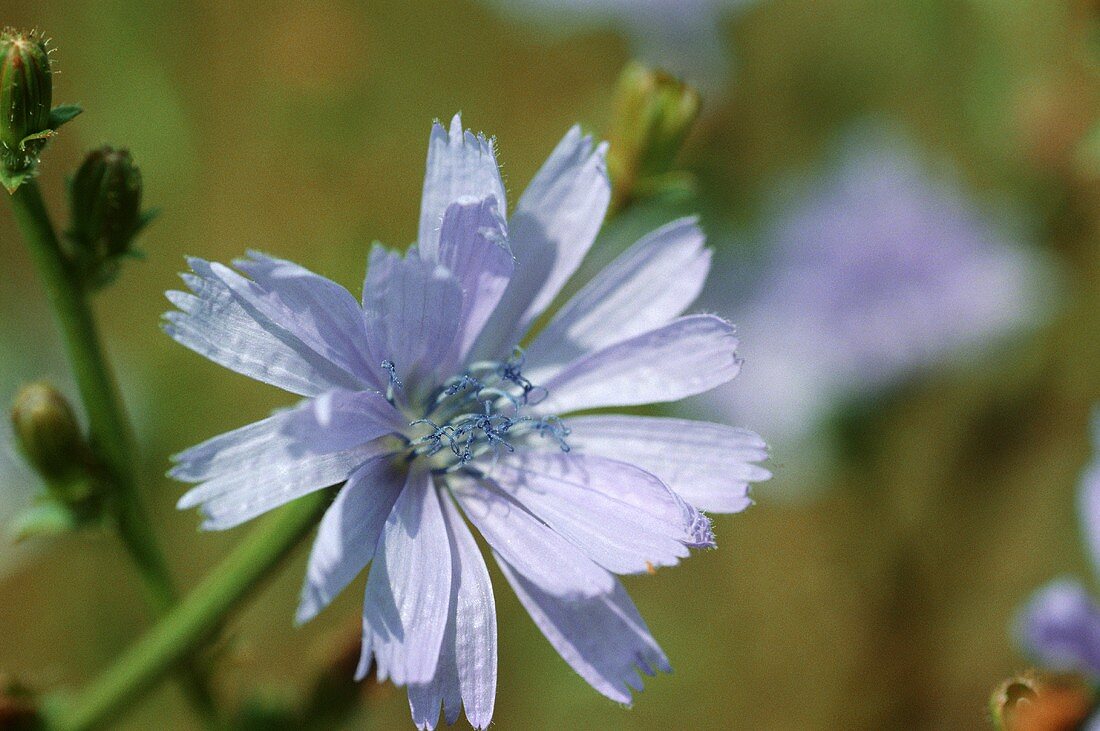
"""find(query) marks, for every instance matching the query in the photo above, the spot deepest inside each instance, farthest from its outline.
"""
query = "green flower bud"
(26, 92)
(105, 203)
(653, 114)
(48, 433)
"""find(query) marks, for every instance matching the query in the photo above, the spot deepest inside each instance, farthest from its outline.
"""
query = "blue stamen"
(395, 382)
(389, 367)
(511, 370)
(467, 433)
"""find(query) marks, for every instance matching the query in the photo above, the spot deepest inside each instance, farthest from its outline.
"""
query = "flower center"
(481, 411)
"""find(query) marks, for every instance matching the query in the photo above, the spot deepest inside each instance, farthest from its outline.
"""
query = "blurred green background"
(300, 128)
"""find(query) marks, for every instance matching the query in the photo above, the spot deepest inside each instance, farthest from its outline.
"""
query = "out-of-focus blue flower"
(684, 37)
(1060, 625)
(875, 272)
(418, 398)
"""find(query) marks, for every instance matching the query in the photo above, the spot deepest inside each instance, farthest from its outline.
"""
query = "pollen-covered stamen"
(492, 426)
(465, 382)
(389, 367)
(481, 411)
(552, 426)
(511, 371)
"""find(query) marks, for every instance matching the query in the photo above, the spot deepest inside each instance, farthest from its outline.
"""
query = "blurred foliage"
(299, 127)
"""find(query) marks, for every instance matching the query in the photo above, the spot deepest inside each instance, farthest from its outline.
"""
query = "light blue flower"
(875, 272)
(419, 399)
(1060, 625)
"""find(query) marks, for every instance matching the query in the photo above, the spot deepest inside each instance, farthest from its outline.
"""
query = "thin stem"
(110, 434)
(184, 630)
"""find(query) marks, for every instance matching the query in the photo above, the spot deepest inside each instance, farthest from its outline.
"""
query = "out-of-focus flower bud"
(1034, 701)
(27, 120)
(47, 431)
(50, 437)
(653, 113)
(105, 203)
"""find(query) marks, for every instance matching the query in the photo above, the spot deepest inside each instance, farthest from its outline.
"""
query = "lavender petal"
(708, 465)
(554, 224)
(473, 245)
(603, 638)
(1060, 626)
(460, 165)
(212, 322)
(413, 306)
(621, 517)
(409, 588)
(646, 287)
(690, 355)
(536, 550)
(349, 532)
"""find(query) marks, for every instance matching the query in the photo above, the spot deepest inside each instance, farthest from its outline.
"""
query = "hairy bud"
(27, 120)
(26, 94)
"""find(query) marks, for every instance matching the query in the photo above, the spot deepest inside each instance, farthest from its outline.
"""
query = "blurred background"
(902, 197)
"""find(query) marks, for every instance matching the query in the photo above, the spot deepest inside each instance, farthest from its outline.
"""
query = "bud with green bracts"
(105, 206)
(48, 434)
(27, 120)
(653, 113)
(26, 93)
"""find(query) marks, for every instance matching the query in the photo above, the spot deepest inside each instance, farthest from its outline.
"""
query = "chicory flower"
(419, 401)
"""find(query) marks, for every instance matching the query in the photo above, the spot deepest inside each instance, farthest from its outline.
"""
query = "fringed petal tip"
(455, 134)
(700, 532)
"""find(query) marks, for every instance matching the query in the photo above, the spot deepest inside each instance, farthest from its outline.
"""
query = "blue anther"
(511, 370)
(389, 367)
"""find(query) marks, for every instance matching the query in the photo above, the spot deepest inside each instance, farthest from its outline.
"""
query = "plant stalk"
(187, 627)
(110, 435)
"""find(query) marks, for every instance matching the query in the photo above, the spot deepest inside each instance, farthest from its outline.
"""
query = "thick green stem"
(193, 621)
(109, 431)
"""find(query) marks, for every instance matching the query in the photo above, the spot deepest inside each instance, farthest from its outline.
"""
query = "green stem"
(193, 621)
(109, 431)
